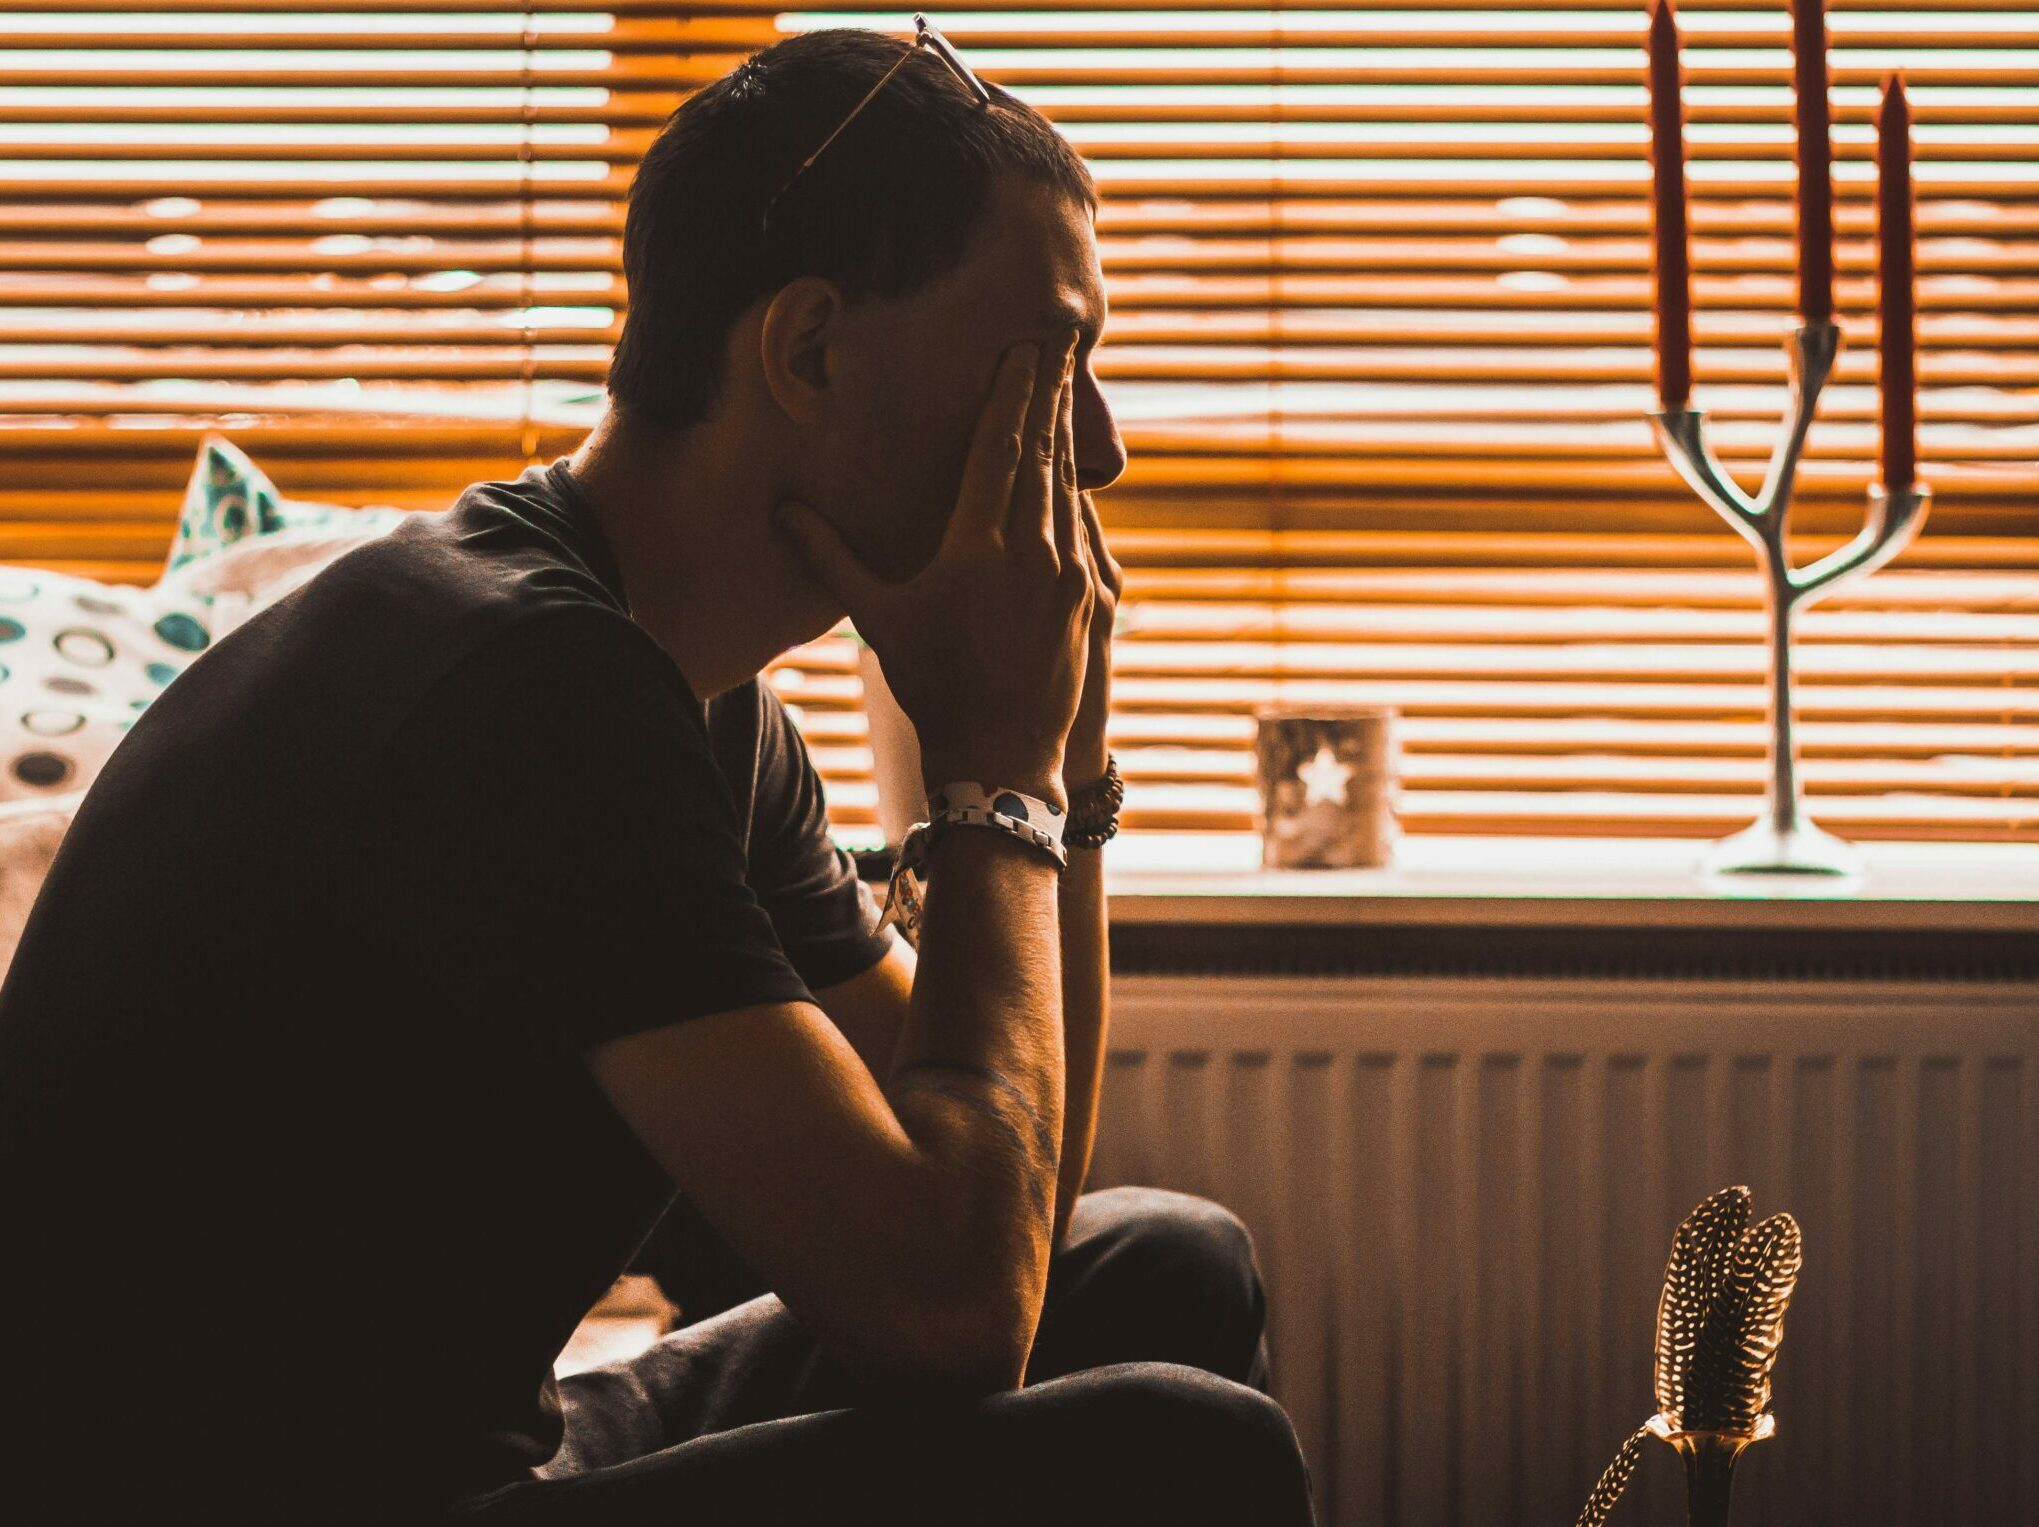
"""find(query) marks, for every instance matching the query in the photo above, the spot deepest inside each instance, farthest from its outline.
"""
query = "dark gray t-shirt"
(297, 1150)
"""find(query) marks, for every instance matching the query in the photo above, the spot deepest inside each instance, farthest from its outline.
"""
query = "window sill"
(1216, 877)
(1193, 901)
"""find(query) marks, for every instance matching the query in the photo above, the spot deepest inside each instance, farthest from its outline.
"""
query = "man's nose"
(1100, 454)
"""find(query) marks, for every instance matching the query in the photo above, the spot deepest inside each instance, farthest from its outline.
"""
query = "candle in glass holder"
(1328, 786)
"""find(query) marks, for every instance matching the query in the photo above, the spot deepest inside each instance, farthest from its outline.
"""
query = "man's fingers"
(1109, 573)
(997, 446)
(1033, 491)
(1067, 514)
(828, 557)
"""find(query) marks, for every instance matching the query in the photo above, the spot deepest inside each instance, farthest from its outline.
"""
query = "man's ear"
(802, 321)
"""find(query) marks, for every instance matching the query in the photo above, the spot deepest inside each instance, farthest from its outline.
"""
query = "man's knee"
(1180, 1444)
(1149, 1275)
(1178, 1245)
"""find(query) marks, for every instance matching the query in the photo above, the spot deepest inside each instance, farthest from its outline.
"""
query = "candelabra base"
(1765, 849)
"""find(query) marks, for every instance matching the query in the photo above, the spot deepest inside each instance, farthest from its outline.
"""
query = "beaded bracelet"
(965, 803)
(1094, 810)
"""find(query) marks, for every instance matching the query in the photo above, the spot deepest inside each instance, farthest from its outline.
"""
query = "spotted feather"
(1607, 1493)
(1728, 1387)
(1700, 1255)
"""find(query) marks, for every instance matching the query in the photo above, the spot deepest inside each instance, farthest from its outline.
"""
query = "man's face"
(1031, 273)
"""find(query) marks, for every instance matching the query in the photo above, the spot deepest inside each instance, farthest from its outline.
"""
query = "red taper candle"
(1672, 245)
(1896, 302)
(1814, 117)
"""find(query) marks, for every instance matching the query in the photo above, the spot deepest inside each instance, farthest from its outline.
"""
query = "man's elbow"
(963, 1294)
(975, 1348)
(967, 1347)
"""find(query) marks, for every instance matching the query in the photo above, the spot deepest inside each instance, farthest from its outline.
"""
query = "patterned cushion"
(231, 500)
(241, 545)
(79, 660)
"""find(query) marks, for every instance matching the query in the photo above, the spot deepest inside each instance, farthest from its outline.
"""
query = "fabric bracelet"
(966, 803)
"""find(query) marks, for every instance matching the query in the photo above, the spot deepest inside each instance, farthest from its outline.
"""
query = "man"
(448, 914)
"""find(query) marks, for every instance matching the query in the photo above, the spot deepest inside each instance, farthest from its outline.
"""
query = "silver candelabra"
(1785, 840)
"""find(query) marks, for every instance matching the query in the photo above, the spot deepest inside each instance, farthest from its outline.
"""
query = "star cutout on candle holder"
(1324, 777)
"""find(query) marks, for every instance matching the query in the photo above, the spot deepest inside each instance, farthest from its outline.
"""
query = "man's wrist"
(1094, 809)
(1042, 784)
(1082, 769)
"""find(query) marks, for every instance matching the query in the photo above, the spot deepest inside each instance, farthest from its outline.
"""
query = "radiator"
(1463, 1193)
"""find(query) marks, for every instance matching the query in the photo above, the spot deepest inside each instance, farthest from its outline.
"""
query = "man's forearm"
(1086, 986)
(1083, 926)
(875, 1022)
(978, 1078)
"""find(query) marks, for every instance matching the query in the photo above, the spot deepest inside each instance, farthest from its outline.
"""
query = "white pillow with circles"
(241, 545)
(79, 661)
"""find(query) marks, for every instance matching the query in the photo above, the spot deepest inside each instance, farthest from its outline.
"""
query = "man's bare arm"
(1086, 985)
(870, 1008)
(1083, 914)
(908, 1225)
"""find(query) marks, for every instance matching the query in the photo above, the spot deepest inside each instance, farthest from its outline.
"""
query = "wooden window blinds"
(1379, 348)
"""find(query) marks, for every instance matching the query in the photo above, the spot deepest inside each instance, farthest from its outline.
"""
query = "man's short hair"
(888, 210)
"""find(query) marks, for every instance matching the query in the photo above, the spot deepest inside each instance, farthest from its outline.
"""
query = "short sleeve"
(825, 916)
(560, 789)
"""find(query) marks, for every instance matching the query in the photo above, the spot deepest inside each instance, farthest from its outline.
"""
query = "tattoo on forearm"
(1043, 1136)
(928, 1075)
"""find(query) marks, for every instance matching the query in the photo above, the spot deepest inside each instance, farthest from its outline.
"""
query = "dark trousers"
(1144, 1402)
